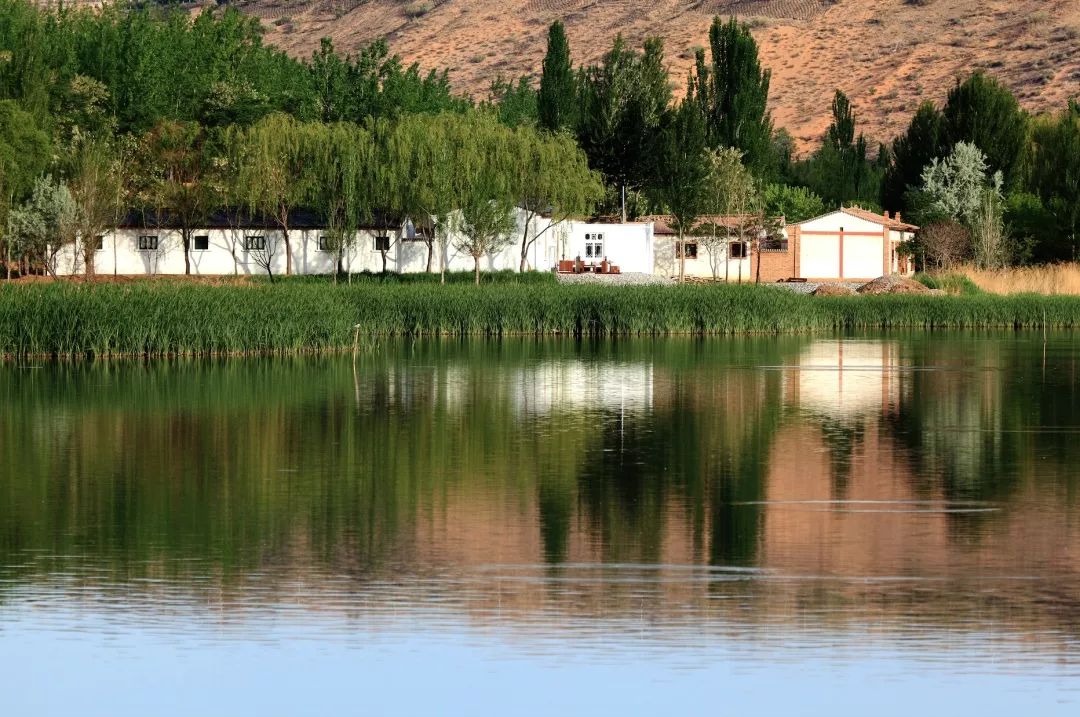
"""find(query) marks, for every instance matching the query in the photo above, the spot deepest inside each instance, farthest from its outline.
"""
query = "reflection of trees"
(974, 429)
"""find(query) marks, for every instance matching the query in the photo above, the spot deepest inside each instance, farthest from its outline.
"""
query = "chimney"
(885, 213)
(898, 216)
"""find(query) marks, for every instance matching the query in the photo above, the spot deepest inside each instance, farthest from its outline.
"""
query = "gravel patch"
(627, 279)
(810, 287)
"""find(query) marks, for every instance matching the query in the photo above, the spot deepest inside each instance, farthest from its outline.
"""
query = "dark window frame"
(383, 239)
(255, 242)
(195, 242)
(147, 242)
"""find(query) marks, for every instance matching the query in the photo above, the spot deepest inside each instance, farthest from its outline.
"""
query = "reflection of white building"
(582, 385)
(841, 378)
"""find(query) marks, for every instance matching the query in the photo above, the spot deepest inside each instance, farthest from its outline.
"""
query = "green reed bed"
(173, 318)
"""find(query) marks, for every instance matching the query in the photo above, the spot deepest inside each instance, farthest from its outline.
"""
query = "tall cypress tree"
(984, 112)
(558, 92)
(736, 105)
(911, 152)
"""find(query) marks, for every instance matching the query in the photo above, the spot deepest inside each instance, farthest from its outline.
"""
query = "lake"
(885, 524)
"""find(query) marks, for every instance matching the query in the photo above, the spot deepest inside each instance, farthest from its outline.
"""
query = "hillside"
(886, 54)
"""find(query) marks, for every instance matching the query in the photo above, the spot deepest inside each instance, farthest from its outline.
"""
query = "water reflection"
(914, 487)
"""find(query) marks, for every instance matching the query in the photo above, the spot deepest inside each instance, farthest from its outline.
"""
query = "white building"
(224, 246)
(850, 244)
(711, 251)
(627, 246)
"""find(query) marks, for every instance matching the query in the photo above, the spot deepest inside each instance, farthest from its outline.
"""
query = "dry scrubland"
(888, 55)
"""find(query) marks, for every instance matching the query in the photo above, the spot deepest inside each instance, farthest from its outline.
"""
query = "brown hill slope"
(887, 55)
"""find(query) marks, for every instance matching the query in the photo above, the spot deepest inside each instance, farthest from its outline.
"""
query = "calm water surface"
(803, 525)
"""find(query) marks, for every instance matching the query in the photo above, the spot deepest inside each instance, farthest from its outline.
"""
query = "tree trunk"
(7, 259)
(288, 251)
(727, 260)
(383, 252)
(525, 243)
(185, 236)
(430, 254)
(682, 258)
(476, 269)
(757, 265)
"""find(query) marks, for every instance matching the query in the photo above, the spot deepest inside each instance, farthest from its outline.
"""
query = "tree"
(911, 152)
(944, 244)
(38, 228)
(482, 188)
(682, 171)
(344, 158)
(734, 92)
(1055, 178)
(795, 204)
(96, 181)
(550, 176)
(953, 186)
(988, 232)
(24, 152)
(557, 98)
(514, 102)
(175, 155)
(840, 172)
(275, 177)
(622, 102)
(983, 112)
(732, 191)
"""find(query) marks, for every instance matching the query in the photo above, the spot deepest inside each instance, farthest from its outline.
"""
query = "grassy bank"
(162, 318)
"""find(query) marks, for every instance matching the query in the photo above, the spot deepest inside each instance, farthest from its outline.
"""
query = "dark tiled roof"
(242, 219)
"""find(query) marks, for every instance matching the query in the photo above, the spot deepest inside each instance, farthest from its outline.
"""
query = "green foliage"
(38, 227)
(795, 204)
(1055, 178)
(557, 100)
(954, 186)
(622, 103)
(682, 168)
(515, 103)
(953, 284)
(985, 113)
(840, 172)
(733, 93)
(911, 152)
(164, 318)
(24, 150)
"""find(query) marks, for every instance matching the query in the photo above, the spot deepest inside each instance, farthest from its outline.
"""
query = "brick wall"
(778, 265)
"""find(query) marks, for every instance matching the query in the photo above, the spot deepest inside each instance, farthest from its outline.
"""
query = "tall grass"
(1053, 279)
(160, 319)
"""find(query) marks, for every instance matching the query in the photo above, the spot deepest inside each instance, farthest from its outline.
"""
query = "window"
(738, 250)
(148, 243)
(99, 243)
(774, 244)
(594, 246)
(255, 243)
(382, 243)
(201, 243)
(690, 248)
(325, 243)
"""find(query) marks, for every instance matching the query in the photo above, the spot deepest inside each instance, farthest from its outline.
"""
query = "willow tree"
(342, 161)
(419, 149)
(276, 175)
(551, 176)
(482, 187)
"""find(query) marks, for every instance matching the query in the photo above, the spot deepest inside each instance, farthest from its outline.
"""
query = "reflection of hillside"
(700, 495)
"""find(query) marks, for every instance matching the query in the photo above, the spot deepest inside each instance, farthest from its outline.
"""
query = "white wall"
(226, 255)
(627, 246)
(819, 250)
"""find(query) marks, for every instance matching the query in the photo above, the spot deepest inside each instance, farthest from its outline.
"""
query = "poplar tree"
(1055, 177)
(735, 102)
(557, 98)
